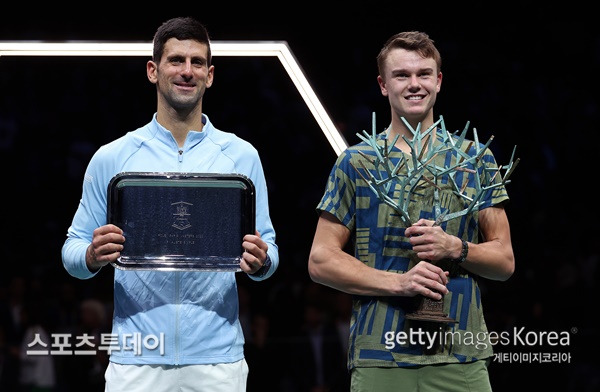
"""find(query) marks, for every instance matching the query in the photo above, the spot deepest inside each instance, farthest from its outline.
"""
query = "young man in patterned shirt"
(394, 263)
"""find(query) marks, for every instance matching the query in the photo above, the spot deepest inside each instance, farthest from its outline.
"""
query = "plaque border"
(166, 263)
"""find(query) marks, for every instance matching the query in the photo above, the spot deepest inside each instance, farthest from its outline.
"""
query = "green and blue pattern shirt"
(380, 336)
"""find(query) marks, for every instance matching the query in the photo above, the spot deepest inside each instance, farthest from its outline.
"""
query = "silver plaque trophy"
(181, 221)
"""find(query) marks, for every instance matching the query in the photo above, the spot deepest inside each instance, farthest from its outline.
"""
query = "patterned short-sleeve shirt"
(380, 335)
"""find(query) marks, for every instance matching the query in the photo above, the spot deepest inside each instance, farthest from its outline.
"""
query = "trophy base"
(430, 310)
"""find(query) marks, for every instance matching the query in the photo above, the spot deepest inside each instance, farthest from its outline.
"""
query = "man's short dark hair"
(181, 28)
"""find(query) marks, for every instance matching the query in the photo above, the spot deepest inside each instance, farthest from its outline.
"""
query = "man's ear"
(382, 87)
(151, 67)
(211, 76)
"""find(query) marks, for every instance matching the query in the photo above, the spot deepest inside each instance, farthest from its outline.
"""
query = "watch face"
(181, 221)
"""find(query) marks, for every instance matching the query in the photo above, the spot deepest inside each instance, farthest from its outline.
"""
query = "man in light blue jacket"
(173, 330)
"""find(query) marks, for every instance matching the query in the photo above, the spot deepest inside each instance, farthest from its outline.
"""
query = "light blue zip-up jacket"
(170, 318)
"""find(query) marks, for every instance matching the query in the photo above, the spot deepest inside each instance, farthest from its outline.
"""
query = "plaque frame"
(167, 227)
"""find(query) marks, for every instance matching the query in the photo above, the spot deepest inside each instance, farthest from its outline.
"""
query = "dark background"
(525, 74)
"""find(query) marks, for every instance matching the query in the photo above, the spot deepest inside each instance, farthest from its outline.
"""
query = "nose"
(186, 68)
(414, 81)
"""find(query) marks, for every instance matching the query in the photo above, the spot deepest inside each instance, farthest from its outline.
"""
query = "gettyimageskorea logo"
(181, 215)
(518, 337)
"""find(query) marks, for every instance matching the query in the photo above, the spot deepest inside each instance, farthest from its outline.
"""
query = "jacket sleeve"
(90, 214)
(263, 219)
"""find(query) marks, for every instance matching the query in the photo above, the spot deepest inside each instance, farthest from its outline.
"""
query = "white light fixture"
(279, 49)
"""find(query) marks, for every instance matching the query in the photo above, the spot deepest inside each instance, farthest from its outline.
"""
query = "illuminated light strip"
(280, 49)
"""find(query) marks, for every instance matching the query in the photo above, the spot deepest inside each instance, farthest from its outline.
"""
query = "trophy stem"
(430, 310)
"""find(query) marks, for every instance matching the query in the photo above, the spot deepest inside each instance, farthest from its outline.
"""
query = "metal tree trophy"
(419, 169)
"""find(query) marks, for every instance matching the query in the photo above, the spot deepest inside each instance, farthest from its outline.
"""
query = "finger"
(415, 231)
(433, 294)
(442, 278)
(108, 252)
(250, 247)
(116, 238)
(247, 268)
(256, 246)
(435, 273)
(420, 222)
(109, 228)
(440, 288)
(251, 262)
(113, 228)
(252, 237)
(432, 288)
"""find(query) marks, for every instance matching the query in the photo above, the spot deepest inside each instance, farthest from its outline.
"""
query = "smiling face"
(411, 84)
(182, 76)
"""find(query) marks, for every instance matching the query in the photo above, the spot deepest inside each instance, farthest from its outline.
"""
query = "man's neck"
(400, 129)
(179, 125)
